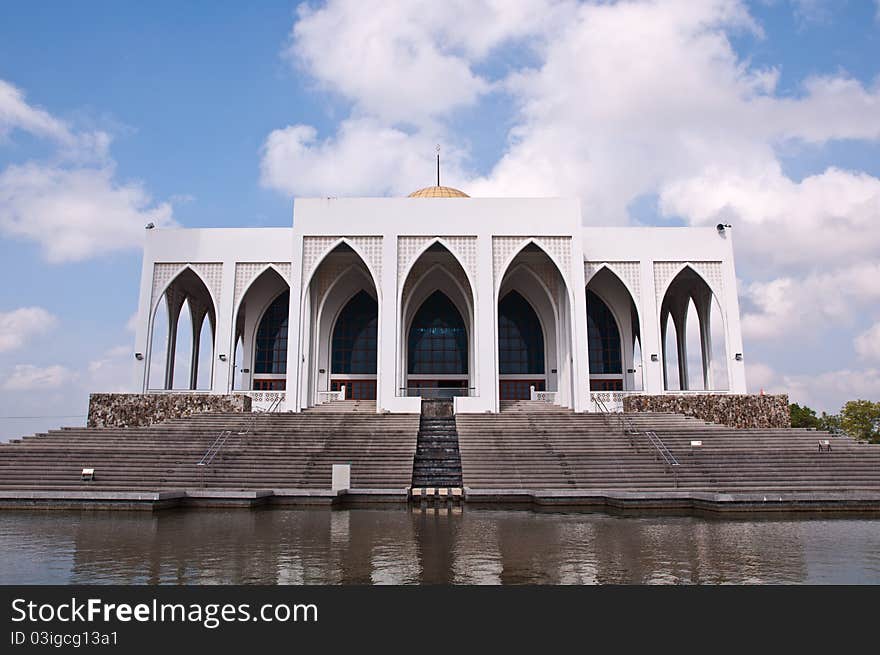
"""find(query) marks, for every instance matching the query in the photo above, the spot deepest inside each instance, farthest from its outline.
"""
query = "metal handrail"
(627, 427)
(218, 443)
(661, 448)
(214, 448)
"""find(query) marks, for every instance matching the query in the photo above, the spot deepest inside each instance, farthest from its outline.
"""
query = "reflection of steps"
(437, 462)
(283, 450)
(545, 450)
(344, 406)
(531, 407)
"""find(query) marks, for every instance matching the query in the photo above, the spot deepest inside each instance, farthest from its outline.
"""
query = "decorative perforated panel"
(314, 249)
(503, 248)
(463, 247)
(421, 267)
(664, 272)
(246, 272)
(626, 271)
(210, 272)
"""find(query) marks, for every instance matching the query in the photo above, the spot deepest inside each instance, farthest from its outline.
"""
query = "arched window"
(354, 336)
(603, 338)
(271, 347)
(437, 339)
(520, 337)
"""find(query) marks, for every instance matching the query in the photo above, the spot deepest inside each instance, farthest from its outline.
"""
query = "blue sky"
(218, 114)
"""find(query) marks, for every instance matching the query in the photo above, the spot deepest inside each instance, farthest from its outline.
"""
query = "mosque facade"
(481, 300)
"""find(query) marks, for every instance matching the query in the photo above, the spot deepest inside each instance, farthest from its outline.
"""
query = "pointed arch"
(256, 276)
(520, 247)
(689, 294)
(402, 278)
(618, 298)
(309, 275)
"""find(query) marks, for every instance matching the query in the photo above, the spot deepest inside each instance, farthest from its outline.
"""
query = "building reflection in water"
(400, 545)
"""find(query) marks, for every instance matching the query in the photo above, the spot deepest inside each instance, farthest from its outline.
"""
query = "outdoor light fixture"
(738, 357)
(222, 357)
(139, 356)
(654, 358)
(149, 226)
(721, 227)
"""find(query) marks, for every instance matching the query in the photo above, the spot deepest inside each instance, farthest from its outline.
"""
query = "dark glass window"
(437, 339)
(603, 337)
(271, 347)
(520, 338)
(354, 336)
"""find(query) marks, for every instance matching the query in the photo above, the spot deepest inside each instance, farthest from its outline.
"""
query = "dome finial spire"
(438, 164)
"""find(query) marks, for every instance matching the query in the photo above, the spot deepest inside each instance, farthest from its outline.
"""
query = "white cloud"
(378, 160)
(71, 205)
(20, 325)
(15, 113)
(111, 372)
(789, 307)
(409, 62)
(26, 377)
(76, 213)
(868, 343)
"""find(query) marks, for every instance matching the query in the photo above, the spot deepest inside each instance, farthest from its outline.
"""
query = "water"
(403, 546)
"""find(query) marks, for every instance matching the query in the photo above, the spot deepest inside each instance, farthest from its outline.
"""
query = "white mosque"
(440, 295)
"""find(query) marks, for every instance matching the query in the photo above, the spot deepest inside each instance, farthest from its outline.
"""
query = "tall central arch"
(437, 327)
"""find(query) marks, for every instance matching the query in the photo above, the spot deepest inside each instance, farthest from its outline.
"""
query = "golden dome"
(438, 192)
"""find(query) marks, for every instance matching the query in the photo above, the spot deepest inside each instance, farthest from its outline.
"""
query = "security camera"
(721, 227)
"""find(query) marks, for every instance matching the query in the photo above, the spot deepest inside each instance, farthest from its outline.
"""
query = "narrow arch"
(689, 299)
(268, 289)
(270, 346)
(609, 296)
(186, 289)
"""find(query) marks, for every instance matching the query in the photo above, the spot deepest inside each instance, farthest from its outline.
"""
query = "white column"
(679, 318)
(144, 331)
(652, 341)
(389, 324)
(224, 332)
(174, 307)
(704, 315)
(198, 318)
(580, 362)
(295, 349)
(730, 303)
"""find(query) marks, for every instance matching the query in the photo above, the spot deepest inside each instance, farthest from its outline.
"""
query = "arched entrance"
(437, 348)
(521, 364)
(533, 301)
(340, 326)
(261, 334)
(354, 348)
(437, 318)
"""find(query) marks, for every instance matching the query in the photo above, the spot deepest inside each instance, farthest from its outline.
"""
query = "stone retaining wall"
(732, 410)
(120, 410)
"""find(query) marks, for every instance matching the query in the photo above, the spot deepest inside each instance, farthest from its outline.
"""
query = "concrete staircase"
(437, 461)
(281, 451)
(344, 407)
(547, 449)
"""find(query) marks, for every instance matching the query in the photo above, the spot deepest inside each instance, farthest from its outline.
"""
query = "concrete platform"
(671, 501)
(867, 502)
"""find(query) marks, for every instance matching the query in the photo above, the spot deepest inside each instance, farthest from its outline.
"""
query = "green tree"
(803, 417)
(829, 422)
(860, 419)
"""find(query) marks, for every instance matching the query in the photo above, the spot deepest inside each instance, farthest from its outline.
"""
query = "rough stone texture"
(120, 410)
(732, 410)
